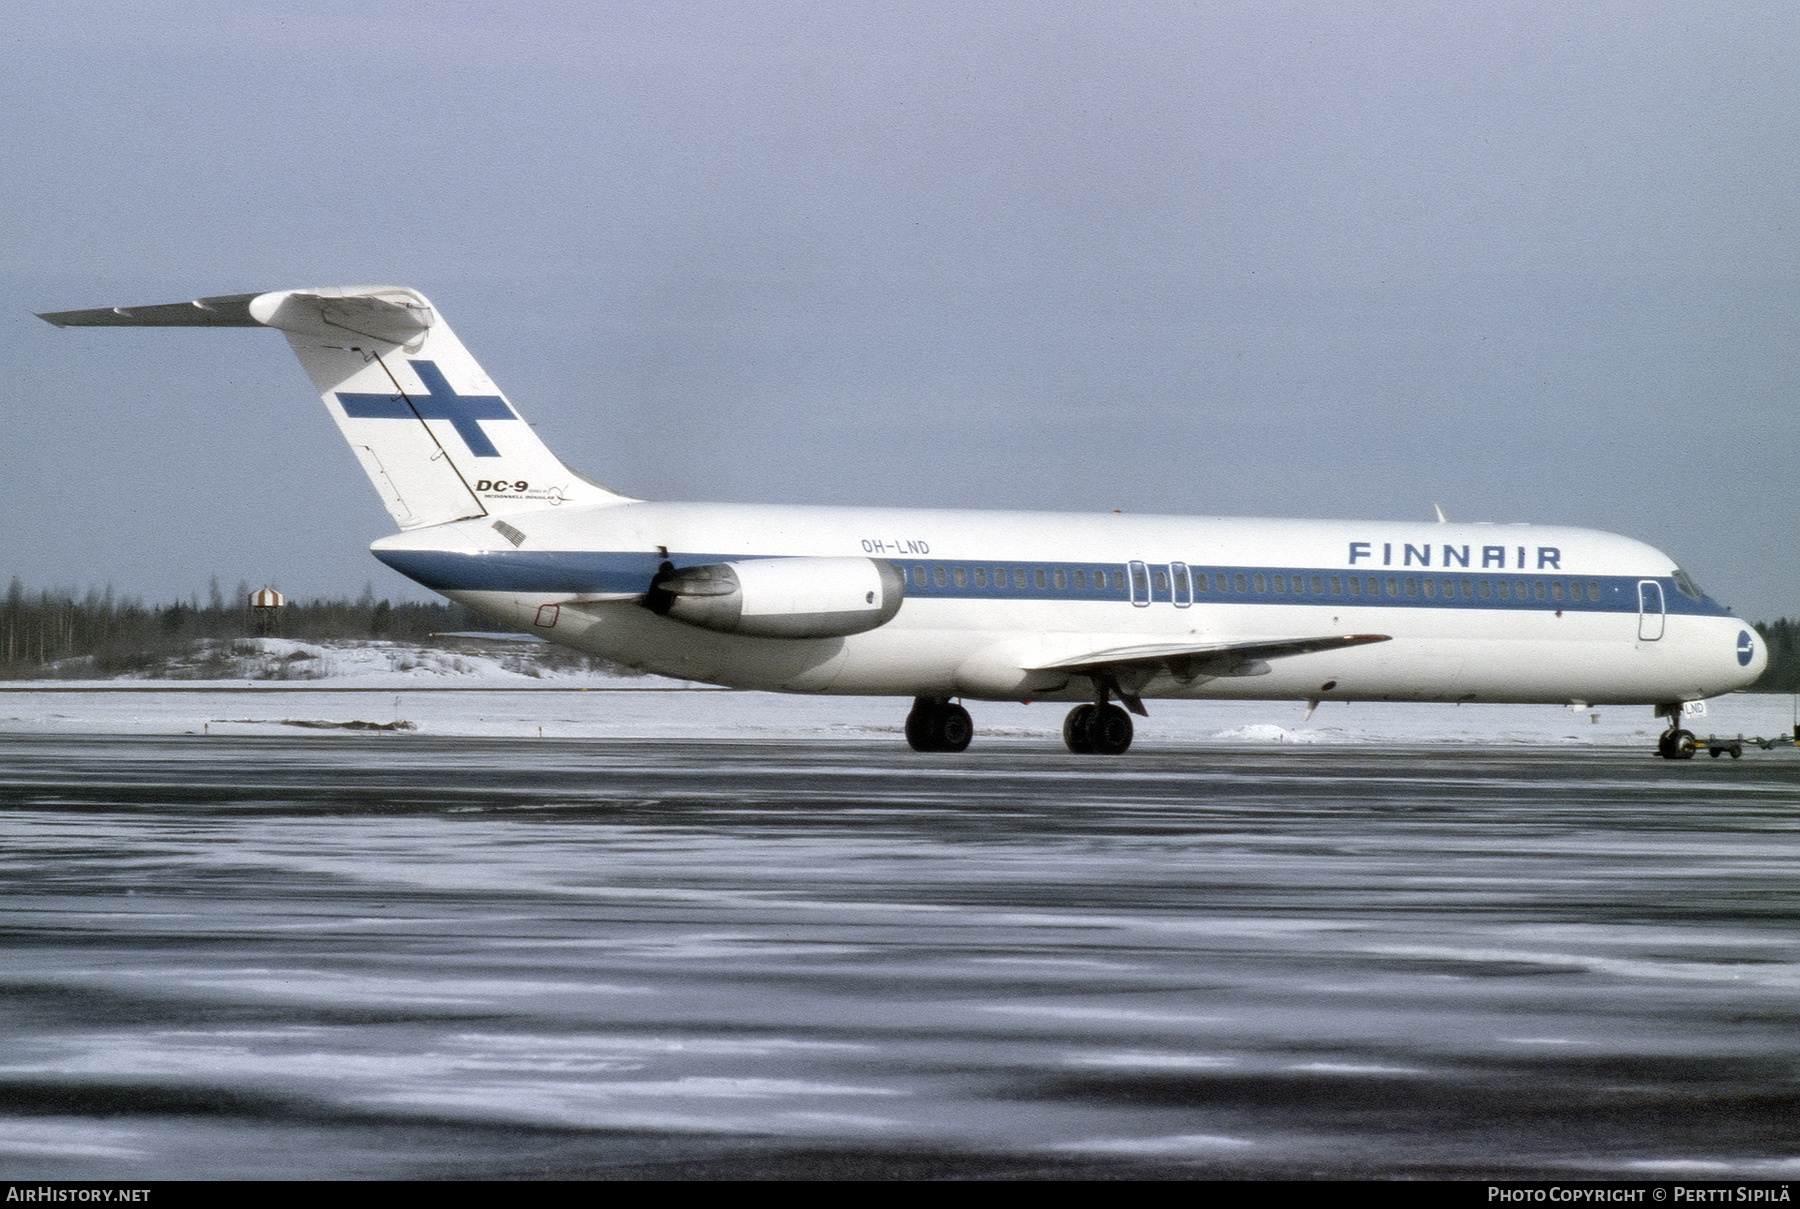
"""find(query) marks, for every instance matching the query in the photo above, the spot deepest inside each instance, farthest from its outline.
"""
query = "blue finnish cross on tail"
(443, 403)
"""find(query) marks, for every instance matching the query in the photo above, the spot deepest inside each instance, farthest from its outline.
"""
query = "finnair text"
(1503, 558)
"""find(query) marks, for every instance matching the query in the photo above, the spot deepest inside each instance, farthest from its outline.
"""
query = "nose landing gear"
(1676, 744)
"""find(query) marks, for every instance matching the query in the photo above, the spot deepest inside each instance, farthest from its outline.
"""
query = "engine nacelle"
(782, 597)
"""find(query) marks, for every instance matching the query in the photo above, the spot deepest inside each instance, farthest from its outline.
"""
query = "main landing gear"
(1097, 730)
(937, 725)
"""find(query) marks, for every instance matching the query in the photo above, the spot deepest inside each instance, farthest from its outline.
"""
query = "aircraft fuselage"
(1475, 612)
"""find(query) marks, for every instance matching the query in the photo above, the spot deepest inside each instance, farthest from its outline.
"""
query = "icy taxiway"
(707, 934)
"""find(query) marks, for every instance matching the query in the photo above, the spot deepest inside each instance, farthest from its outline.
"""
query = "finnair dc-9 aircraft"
(945, 606)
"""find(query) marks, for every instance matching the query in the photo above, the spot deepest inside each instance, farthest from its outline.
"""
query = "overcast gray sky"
(1532, 260)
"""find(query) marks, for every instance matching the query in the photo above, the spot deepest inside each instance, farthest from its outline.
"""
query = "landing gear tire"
(1676, 745)
(1075, 729)
(938, 726)
(1097, 730)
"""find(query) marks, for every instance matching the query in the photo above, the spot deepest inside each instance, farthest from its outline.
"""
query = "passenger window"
(1262, 585)
(1355, 585)
(1537, 589)
(1412, 587)
(937, 576)
(1593, 590)
(1468, 589)
(1118, 581)
(961, 576)
(1486, 588)
(1280, 582)
(1318, 585)
(1081, 580)
(918, 577)
(1393, 587)
(1037, 577)
(981, 577)
(1430, 587)
(1556, 589)
(1239, 582)
(1200, 581)
(1162, 581)
(1337, 586)
(1060, 578)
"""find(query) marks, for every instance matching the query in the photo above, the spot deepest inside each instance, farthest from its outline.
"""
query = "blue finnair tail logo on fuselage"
(443, 403)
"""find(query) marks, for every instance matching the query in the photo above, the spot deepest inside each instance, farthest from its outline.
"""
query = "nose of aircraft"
(1752, 655)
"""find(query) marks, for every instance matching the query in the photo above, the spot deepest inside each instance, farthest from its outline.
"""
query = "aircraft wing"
(1118, 666)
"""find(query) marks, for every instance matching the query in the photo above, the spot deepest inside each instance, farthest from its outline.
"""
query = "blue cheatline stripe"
(556, 571)
(573, 572)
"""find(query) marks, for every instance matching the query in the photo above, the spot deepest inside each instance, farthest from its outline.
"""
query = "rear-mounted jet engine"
(781, 597)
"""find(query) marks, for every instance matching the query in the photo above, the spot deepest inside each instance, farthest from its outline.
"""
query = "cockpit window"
(1686, 585)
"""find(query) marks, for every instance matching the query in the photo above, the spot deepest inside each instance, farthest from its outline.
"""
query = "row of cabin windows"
(1376, 585)
(1036, 577)
(1227, 582)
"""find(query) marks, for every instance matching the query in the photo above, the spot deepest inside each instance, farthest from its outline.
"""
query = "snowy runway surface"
(242, 949)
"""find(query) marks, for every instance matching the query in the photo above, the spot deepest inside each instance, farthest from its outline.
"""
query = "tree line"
(1781, 638)
(112, 634)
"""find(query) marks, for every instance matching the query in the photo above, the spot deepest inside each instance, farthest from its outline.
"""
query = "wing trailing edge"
(1186, 660)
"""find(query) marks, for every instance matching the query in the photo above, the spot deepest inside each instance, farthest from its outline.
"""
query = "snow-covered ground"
(283, 685)
(355, 664)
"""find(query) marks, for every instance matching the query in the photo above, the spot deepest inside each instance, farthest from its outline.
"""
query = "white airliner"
(944, 606)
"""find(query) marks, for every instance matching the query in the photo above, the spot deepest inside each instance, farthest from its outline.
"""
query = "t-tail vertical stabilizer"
(436, 436)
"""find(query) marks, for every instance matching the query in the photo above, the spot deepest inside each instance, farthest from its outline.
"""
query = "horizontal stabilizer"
(385, 313)
(228, 310)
